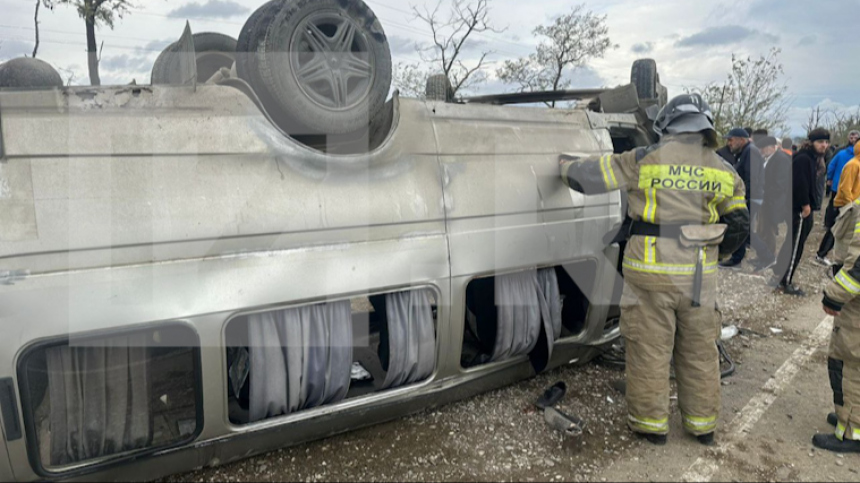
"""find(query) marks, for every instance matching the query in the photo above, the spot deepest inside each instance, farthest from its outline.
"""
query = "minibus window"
(285, 361)
(88, 400)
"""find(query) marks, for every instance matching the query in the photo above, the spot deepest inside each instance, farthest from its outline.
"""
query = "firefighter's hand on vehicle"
(807, 210)
(565, 158)
(830, 312)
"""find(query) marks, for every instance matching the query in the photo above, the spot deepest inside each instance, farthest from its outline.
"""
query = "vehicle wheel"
(644, 77)
(25, 72)
(663, 97)
(250, 41)
(326, 63)
(439, 88)
(212, 51)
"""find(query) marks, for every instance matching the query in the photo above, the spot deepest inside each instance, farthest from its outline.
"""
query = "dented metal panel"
(505, 207)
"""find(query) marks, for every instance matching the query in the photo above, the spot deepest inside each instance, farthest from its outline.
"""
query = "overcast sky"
(692, 41)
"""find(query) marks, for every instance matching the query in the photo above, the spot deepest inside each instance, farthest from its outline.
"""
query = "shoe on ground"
(655, 439)
(832, 419)
(823, 261)
(706, 439)
(830, 442)
(793, 291)
(551, 396)
(730, 265)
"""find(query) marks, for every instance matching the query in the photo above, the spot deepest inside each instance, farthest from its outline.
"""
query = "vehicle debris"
(729, 332)
(566, 424)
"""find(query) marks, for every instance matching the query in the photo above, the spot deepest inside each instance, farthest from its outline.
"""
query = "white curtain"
(99, 399)
(412, 338)
(523, 301)
(299, 358)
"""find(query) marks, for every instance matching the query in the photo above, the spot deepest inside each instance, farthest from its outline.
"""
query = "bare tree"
(838, 122)
(68, 73)
(452, 35)
(569, 42)
(94, 13)
(753, 94)
(410, 79)
(815, 119)
(36, 20)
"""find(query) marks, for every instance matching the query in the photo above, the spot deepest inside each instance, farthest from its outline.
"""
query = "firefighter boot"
(830, 442)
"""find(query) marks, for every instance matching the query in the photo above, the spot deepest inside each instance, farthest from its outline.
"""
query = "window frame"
(306, 414)
(106, 462)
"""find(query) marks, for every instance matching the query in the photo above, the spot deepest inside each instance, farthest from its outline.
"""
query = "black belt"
(641, 228)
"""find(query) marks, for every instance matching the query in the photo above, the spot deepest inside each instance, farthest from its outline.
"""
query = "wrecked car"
(186, 281)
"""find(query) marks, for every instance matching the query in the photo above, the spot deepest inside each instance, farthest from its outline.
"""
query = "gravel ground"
(498, 435)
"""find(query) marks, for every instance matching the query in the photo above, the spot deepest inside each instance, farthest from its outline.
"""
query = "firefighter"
(679, 192)
(841, 301)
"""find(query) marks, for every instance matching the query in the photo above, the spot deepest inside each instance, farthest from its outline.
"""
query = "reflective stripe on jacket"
(679, 181)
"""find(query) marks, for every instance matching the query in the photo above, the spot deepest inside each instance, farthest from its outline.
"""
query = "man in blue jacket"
(750, 168)
(834, 172)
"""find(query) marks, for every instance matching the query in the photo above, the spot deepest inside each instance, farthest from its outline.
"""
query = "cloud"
(210, 9)
(808, 40)
(400, 45)
(126, 62)
(10, 49)
(725, 35)
(643, 48)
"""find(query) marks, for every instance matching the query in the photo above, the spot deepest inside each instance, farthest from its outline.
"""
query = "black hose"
(725, 357)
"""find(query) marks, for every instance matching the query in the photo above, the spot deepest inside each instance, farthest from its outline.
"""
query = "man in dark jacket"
(750, 168)
(805, 169)
(776, 208)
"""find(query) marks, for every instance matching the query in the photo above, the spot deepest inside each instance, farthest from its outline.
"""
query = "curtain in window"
(300, 358)
(411, 338)
(527, 302)
(99, 399)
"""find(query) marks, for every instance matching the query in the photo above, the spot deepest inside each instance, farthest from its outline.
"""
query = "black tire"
(351, 81)
(663, 96)
(644, 77)
(212, 50)
(250, 40)
(439, 88)
(27, 72)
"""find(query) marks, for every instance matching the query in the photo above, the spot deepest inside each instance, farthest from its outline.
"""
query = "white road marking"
(706, 467)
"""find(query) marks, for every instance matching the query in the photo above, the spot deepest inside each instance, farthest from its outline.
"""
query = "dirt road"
(772, 406)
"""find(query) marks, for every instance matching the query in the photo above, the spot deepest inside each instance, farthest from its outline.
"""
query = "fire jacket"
(679, 181)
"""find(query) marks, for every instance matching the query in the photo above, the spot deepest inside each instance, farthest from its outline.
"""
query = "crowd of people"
(787, 185)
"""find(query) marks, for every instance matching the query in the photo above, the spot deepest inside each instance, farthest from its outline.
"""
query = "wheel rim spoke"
(315, 70)
(339, 89)
(342, 41)
(356, 67)
(317, 39)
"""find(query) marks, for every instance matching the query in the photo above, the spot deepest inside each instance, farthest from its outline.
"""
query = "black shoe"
(655, 439)
(706, 439)
(552, 395)
(792, 290)
(731, 265)
(830, 442)
(832, 419)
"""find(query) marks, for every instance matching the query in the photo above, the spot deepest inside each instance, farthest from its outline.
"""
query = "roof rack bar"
(535, 97)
